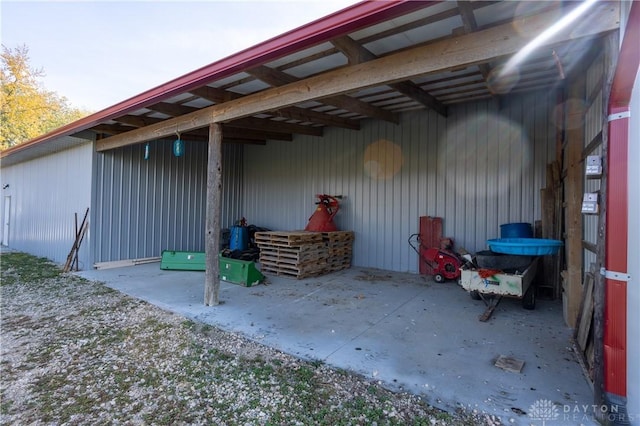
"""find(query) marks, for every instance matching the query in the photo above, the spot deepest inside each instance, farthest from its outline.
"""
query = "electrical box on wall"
(594, 167)
(590, 203)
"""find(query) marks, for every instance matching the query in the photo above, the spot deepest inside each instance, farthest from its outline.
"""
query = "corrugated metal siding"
(146, 206)
(45, 194)
(478, 168)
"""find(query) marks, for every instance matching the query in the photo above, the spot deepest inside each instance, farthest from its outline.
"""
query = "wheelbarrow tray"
(502, 284)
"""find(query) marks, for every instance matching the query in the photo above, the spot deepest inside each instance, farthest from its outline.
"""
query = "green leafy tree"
(27, 109)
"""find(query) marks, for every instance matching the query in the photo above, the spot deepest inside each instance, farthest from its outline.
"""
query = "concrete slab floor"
(403, 330)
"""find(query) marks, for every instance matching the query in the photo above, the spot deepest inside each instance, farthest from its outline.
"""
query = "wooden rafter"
(468, 49)
(273, 126)
(277, 78)
(216, 95)
(358, 54)
(470, 25)
(137, 120)
(112, 129)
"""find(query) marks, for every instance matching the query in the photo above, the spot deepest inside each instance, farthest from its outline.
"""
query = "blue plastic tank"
(516, 230)
(239, 238)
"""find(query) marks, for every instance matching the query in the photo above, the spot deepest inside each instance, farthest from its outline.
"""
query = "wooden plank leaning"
(72, 258)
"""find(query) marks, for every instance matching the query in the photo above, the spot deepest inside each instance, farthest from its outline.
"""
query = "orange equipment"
(322, 219)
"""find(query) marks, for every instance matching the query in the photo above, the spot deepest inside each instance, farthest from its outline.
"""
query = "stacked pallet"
(297, 254)
(302, 254)
(340, 248)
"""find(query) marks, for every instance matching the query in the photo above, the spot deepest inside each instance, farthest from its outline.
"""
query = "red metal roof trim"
(628, 61)
(339, 23)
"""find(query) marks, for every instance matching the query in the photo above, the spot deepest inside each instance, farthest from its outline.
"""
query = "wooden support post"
(214, 207)
(572, 285)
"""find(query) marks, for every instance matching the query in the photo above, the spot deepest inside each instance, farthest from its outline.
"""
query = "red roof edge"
(347, 20)
(628, 61)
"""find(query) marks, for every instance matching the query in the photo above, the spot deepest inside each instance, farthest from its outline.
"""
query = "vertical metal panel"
(633, 254)
(45, 194)
(146, 206)
(478, 168)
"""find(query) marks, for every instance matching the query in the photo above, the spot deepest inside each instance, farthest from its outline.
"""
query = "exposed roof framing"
(277, 78)
(471, 25)
(296, 114)
(358, 54)
(371, 60)
(430, 58)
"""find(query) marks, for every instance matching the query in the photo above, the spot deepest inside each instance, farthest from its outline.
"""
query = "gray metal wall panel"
(146, 206)
(45, 193)
(478, 168)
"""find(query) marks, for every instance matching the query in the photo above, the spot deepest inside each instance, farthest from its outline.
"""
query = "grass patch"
(87, 354)
(23, 267)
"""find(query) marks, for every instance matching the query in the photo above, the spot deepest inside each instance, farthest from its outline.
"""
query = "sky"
(98, 53)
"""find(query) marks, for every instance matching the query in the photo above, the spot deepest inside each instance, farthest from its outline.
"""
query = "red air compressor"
(322, 219)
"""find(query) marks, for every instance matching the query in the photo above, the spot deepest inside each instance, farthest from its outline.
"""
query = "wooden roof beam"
(112, 129)
(277, 78)
(265, 131)
(471, 25)
(252, 134)
(293, 113)
(174, 110)
(137, 120)
(468, 49)
(358, 54)
(266, 125)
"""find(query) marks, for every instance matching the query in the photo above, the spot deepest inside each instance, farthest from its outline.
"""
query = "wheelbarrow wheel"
(439, 278)
(529, 298)
(475, 295)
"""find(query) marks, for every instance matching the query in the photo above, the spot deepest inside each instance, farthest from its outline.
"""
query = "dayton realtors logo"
(544, 410)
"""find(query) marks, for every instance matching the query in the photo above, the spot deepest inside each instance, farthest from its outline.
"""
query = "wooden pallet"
(301, 254)
(339, 251)
(335, 268)
(273, 260)
(296, 267)
(298, 272)
(287, 239)
(337, 236)
(291, 274)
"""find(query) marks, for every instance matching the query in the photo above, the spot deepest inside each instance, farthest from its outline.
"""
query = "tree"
(27, 109)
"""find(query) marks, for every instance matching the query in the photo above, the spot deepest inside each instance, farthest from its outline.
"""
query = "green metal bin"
(239, 271)
(183, 260)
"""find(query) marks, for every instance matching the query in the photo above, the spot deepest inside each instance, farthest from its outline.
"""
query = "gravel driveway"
(76, 352)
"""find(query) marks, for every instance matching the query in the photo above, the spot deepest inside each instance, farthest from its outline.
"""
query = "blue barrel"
(239, 238)
(516, 230)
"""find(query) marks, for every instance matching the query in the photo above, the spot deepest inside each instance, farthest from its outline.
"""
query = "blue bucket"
(239, 238)
(516, 230)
